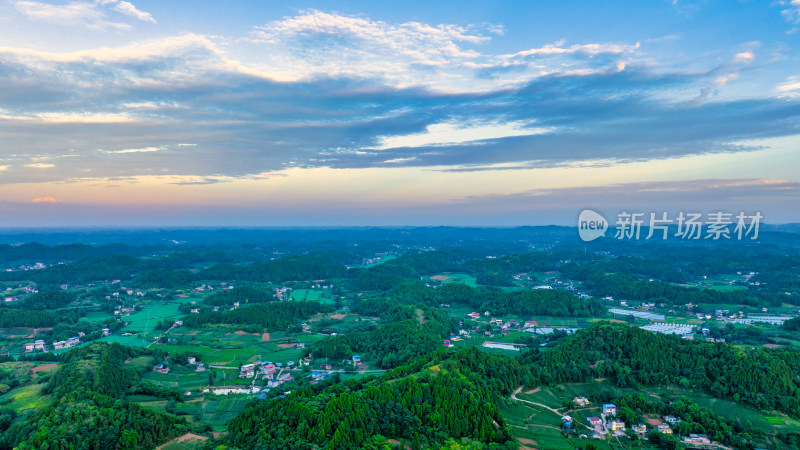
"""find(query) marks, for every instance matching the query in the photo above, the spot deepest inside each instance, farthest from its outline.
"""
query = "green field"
(448, 277)
(25, 399)
(219, 410)
(314, 295)
(185, 381)
(147, 319)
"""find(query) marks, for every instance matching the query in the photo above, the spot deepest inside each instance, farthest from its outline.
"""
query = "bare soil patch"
(188, 437)
(265, 337)
(241, 332)
(287, 345)
(441, 277)
(654, 421)
(338, 316)
(43, 367)
(533, 391)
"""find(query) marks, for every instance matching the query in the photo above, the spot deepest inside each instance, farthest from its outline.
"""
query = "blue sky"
(393, 113)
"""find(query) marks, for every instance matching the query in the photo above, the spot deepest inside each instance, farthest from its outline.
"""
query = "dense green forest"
(271, 316)
(412, 334)
(632, 357)
(88, 408)
(423, 410)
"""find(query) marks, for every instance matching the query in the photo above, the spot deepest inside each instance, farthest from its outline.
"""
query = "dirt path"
(519, 389)
(185, 437)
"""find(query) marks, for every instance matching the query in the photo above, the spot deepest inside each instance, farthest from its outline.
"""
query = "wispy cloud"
(92, 15)
(790, 10)
(45, 199)
(130, 10)
(444, 56)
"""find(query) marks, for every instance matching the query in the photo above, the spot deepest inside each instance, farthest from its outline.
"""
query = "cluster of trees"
(10, 318)
(493, 272)
(749, 335)
(311, 266)
(271, 316)
(792, 324)
(629, 287)
(178, 269)
(550, 302)
(412, 332)
(88, 408)
(633, 358)
(48, 300)
(241, 294)
(494, 279)
(694, 418)
(425, 410)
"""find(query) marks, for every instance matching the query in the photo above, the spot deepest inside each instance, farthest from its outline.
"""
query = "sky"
(335, 113)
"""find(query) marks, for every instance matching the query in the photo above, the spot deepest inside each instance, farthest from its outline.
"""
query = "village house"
(191, 360)
(595, 421)
(39, 345)
(664, 429)
(69, 343)
(161, 368)
(29, 347)
(639, 429)
(610, 409)
(671, 419)
(247, 371)
(697, 439)
(617, 425)
(581, 401)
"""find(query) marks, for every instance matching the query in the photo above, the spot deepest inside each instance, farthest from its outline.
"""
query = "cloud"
(449, 133)
(129, 111)
(82, 13)
(315, 43)
(133, 150)
(790, 10)
(584, 49)
(707, 195)
(46, 199)
(444, 56)
(130, 10)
